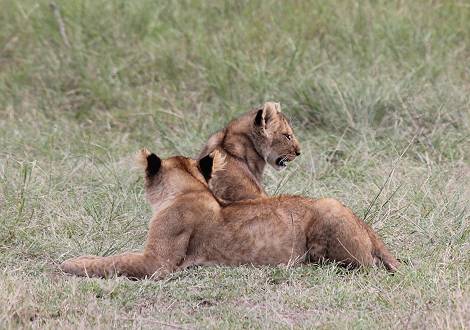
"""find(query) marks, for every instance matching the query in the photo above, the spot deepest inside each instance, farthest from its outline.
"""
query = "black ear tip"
(259, 117)
(205, 166)
(153, 164)
(153, 158)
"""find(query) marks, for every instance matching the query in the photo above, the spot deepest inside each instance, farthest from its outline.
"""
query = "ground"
(379, 96)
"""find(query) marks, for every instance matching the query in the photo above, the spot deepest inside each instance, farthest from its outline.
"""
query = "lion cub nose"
(297, 153)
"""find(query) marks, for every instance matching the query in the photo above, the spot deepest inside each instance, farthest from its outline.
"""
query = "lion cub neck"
(232, 180)
(238, 142)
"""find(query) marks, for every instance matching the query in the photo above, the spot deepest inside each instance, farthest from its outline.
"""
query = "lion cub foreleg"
(165, 250)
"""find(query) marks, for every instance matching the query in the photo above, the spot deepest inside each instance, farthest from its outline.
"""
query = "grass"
(378, 92)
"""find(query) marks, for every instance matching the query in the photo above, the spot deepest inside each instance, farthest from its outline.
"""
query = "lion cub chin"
(247, 144)
(190, 228)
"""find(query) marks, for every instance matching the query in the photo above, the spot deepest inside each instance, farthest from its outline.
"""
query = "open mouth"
(282, 161)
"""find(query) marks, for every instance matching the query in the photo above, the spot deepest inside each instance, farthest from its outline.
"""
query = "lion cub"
(246, 144)
(189, 227)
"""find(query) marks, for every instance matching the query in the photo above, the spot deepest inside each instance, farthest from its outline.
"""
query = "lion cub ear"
(264, 115)
(153, 164)
(148, 161)
(211, 164)
(205, 166)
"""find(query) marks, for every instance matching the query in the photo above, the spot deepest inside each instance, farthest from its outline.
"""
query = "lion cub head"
(168, 178)
(273, 136)
(260, 136)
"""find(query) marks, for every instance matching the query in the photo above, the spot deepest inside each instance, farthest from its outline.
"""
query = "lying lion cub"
(247, 143)
(189, 227)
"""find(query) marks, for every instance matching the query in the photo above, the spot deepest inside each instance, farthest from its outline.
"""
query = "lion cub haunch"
(247, 144)
(189, 228)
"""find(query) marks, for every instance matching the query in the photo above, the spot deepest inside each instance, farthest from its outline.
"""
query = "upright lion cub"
(246, 144)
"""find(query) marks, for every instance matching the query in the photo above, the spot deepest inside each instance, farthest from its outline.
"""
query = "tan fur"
(193, 229)
(247, 147)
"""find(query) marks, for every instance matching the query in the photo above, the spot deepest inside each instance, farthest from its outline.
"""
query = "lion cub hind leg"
(333, 244)
(337, 234)
(136, 265)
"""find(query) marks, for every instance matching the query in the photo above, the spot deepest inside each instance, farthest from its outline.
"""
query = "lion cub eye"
(288, 136)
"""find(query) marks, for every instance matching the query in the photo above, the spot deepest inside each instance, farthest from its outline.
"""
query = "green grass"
(379, 94)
